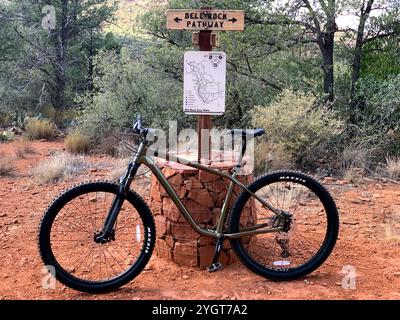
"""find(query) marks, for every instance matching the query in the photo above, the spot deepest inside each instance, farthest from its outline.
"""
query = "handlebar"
(142, 131)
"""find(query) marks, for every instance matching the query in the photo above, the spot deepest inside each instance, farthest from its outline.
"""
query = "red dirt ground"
(369, 241)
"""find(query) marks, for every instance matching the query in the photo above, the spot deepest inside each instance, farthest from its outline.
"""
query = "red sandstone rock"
(161, 225)
(163, 250)
(193, 183)
(206, 256)
(220, 199)
(170, 210)
(217, 186)
(204, 241)
(183, 232)
(155, 194)
(199, 213)
(169, 240)
(207, 177)
(168, 172)
(202, 197)
(156, 207)
(216, 215)
(176, 180)
(185, 254)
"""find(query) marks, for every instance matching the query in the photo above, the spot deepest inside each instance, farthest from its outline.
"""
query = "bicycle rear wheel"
(67, 238)
(312, 232)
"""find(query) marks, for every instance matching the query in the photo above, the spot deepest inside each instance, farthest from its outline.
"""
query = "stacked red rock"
(203, 195)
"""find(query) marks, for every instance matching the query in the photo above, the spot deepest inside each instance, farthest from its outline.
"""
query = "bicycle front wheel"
(67, 238)
(311, 232)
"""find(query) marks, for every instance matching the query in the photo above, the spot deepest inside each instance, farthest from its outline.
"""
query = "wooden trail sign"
(202, 19)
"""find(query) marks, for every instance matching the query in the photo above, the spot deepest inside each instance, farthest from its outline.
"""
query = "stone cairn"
(203, 195)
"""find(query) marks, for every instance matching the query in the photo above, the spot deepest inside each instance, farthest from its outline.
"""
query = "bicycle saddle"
(248, 133)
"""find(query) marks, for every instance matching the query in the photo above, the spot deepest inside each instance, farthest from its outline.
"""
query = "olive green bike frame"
(141, 157)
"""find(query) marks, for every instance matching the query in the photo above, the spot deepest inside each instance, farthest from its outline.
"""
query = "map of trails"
(204, 82)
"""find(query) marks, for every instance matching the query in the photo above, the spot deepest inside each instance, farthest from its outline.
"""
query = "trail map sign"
(204, 82)
(216, 20)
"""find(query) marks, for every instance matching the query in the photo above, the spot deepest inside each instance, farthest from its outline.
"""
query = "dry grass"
(391, 224)
(77, 143)
(354, 156)
(23, 148)
(353, 174)
(118, 169)
(6, 164)
(59, 167)
(356, 160)
(392, 168)
(392, 233)
(39, 129)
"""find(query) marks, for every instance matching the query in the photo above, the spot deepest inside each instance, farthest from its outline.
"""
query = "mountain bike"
(100, 235)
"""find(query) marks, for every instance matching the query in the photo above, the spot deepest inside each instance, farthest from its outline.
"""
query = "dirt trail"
(369, 242)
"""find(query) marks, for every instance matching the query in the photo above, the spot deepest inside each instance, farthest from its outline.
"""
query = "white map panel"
(204, 82)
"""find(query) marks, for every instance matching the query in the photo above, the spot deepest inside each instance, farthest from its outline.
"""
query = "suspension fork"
(107, 232)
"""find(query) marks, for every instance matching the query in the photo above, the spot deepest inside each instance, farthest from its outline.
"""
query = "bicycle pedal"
(214, 267)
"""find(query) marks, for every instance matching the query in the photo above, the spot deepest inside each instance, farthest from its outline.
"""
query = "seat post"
(241, 154)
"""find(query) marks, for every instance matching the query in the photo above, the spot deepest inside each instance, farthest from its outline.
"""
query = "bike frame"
(141, 157)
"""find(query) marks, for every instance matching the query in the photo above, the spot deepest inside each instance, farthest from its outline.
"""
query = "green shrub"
(378, 114)
(5, 119)
(270, 156)
(77, 143)
(125, 89)
(39, 129)
(6, 136)
(297, 126)
(3, 137)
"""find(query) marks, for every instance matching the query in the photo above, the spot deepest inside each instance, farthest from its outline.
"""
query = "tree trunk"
(62, 62)
(356, 66)
(326, 42)
(355, 73)
(357, 59)
(91, 52)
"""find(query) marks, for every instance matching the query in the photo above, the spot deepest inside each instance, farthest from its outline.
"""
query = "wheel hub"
(283, 221)
(286, 222)
(100, 237)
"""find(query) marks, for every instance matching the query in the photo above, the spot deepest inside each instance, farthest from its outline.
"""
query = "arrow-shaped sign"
(202, 19)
